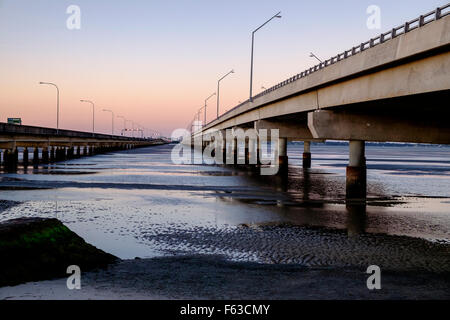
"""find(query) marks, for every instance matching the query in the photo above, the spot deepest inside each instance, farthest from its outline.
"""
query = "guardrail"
(383, 37)
(8, 129)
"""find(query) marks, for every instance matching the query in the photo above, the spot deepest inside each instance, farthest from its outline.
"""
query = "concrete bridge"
(51, 145)
(395, 87)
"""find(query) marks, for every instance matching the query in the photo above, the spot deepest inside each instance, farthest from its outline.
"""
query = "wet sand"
(214, 277)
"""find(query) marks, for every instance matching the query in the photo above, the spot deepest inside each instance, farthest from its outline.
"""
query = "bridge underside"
(421, 118)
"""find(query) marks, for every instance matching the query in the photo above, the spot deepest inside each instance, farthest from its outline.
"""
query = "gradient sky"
(155, 62)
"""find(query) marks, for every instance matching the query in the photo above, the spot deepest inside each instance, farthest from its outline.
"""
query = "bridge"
(394, 87)
(52, 145)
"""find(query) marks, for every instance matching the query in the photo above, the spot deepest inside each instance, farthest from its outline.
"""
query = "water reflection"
(356, 217)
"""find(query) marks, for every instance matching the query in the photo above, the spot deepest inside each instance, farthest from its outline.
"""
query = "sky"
(155, 62)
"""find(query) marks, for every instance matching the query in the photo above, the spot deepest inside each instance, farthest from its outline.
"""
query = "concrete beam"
(287, 130)
(326, 124)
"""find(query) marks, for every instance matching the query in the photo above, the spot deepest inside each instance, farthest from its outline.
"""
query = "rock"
(33, 249)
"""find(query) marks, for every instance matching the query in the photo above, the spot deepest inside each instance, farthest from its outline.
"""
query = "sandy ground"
(213, 277)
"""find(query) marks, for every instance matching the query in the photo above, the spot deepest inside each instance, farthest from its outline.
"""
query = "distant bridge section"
(50, 145)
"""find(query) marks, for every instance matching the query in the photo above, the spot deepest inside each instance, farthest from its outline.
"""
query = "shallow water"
(137, 203)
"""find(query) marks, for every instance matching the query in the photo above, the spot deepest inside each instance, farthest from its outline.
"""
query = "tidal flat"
(212, 232)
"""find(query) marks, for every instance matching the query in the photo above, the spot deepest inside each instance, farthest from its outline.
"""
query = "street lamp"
(124, 122)
(140, 128)
(197, 117)
(112, 120)
(132, 128)
(312, 55)
(253, 41)
(206, 100)
(93, 114)
(218, 90)
(131, 125)
(57, 103)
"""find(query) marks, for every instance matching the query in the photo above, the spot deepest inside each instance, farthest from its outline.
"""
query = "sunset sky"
(155, 62)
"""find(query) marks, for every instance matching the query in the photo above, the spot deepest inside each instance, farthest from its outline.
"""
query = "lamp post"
(218, 90)
(140, 129)
(57, 103)
(312, 55)
(253, 42)
(197, 115)
(112, 120)
(206, 100)
(131, 124)
(124, 122)
(93, 114)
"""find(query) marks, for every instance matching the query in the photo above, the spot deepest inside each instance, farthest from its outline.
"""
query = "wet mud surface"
(214, 277)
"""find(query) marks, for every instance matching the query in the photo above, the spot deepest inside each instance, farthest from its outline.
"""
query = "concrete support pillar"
(45, 155)
(213, 144)
(356, 182)
(235, 149)
(25, 157)
(62, 153)
(79, 151)
(58, 154)
(253, 152)
(258, 151)
(52, 154)
(5, 158)
(36, 156)
(10, 159)
(247, 150)
(224, 150)
(306, 155)
(282, 154)
(204, 144)
(15, 157)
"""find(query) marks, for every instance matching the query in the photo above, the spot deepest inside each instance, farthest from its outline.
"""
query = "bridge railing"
(383, 37)
(12, 129)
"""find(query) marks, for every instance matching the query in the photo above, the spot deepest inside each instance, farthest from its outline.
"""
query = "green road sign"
(15, 121)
